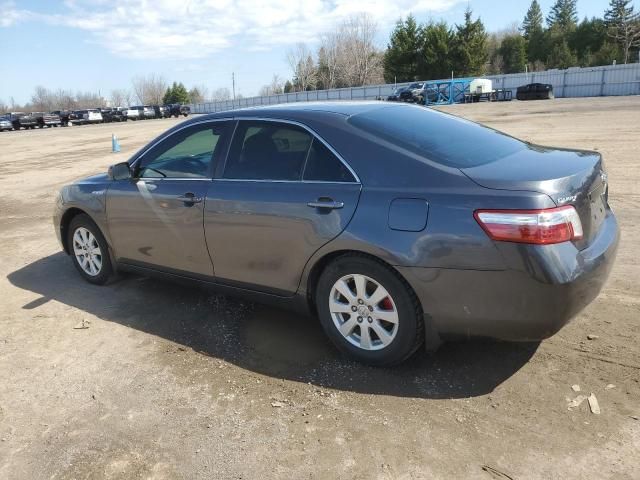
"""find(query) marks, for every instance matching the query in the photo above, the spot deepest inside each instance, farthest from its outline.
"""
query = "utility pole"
(233, 85)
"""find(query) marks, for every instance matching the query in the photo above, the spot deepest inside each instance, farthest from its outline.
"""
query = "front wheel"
(89, 250)
(368, 311)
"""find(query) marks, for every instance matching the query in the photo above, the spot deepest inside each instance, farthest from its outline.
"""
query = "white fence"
(573, 82)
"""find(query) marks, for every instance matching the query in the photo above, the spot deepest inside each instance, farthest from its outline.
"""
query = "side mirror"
(119, 171)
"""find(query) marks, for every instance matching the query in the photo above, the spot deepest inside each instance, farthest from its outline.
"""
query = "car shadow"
(267, 340)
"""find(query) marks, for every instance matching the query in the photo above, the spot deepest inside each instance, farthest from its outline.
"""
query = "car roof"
(301, 109)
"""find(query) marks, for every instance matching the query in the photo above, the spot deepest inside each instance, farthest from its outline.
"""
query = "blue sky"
(99, 45)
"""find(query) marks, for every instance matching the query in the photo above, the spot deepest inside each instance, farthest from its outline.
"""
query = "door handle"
(326, 203)
(189, 198)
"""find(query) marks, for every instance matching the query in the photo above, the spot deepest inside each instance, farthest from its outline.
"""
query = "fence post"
(564, 83)
(604, 71)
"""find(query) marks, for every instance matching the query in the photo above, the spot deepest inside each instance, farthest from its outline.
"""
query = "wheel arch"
(322, 263)
(65, 221)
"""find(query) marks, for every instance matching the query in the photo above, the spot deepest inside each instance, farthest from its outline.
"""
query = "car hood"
(99, 178)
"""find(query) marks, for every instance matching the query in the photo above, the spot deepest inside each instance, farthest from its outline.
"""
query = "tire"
(81, 224)
(401, 339)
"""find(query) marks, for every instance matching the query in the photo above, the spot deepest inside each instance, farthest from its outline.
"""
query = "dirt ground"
(172, 382)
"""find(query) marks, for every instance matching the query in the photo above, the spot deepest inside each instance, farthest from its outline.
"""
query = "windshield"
(439, 137)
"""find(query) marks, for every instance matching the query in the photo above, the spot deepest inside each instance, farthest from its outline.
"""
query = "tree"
(563, 15)
(533, 32)
(302, 65)
(361, 59)
(276, 87)
(119, 98)
(561, 56)
(177, 93)
(587, 39)
(168, 95)
(220, 94)
(288, 87)
(149, 89)
(513, 53)
(623, 25)
(470, 50)
(403, 55)
(198, 94)
(41, 100)
(437, 40)
(532, 22)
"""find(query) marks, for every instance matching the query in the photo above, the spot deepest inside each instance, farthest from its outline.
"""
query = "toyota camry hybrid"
(397, 225)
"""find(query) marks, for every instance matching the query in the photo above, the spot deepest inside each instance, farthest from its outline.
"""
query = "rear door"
(156, 218)
(283, 193)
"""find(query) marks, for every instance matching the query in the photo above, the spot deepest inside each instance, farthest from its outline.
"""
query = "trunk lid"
(569, 177)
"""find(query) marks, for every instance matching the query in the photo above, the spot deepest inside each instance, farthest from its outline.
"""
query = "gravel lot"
(172, 382)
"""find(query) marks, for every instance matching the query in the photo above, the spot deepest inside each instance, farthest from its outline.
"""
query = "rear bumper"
(543, 288)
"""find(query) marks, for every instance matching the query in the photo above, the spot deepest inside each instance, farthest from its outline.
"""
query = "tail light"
(540, 227)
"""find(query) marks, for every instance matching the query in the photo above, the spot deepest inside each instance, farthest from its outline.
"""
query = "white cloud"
(10, 14)
(197, 28)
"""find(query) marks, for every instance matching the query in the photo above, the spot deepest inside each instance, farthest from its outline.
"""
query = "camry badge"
(570, 198)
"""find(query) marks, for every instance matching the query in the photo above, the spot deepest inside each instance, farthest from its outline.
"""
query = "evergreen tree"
(288, 87)
(402, 58)
(514, 54)
(561, 56)
(587, 39)
(181, 95)
(470, 53)
(563, 15)
(168, 96)
(532, 22)
(437, 42)
(624, 25)
(533, 32)
(176, 93)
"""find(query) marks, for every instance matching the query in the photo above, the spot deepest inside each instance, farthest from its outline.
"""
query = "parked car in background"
(119, 114)
(148, 112)
(107, 114)
(176, 110)
(145, 112)
(22, 120)
(5, 124)
(408, 93)
(91, 115)
(66, 116)
(161, 111)
(366, 214)
(47, 119)
(130, 113)
(535, 91)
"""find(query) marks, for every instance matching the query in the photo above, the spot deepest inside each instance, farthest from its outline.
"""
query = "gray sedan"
(397, 225)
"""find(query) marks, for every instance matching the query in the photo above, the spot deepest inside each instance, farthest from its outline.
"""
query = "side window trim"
(219, 171)
(138, 157)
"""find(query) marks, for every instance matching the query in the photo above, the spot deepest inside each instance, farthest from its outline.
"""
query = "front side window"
(187, 153)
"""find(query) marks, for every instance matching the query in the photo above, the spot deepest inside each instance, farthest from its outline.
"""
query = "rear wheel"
(89, 250)
(368, 311)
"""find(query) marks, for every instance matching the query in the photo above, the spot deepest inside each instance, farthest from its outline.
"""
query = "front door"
(282, 195)
(155, 219)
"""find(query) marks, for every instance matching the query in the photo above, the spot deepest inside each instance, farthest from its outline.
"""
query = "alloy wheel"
(363, 312)
(87, 251)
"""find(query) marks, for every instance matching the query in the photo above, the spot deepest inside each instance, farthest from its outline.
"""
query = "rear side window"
(324, 166)
(267, 151)
(436, 136)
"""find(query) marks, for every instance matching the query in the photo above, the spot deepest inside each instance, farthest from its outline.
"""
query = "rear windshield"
(439, 137)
